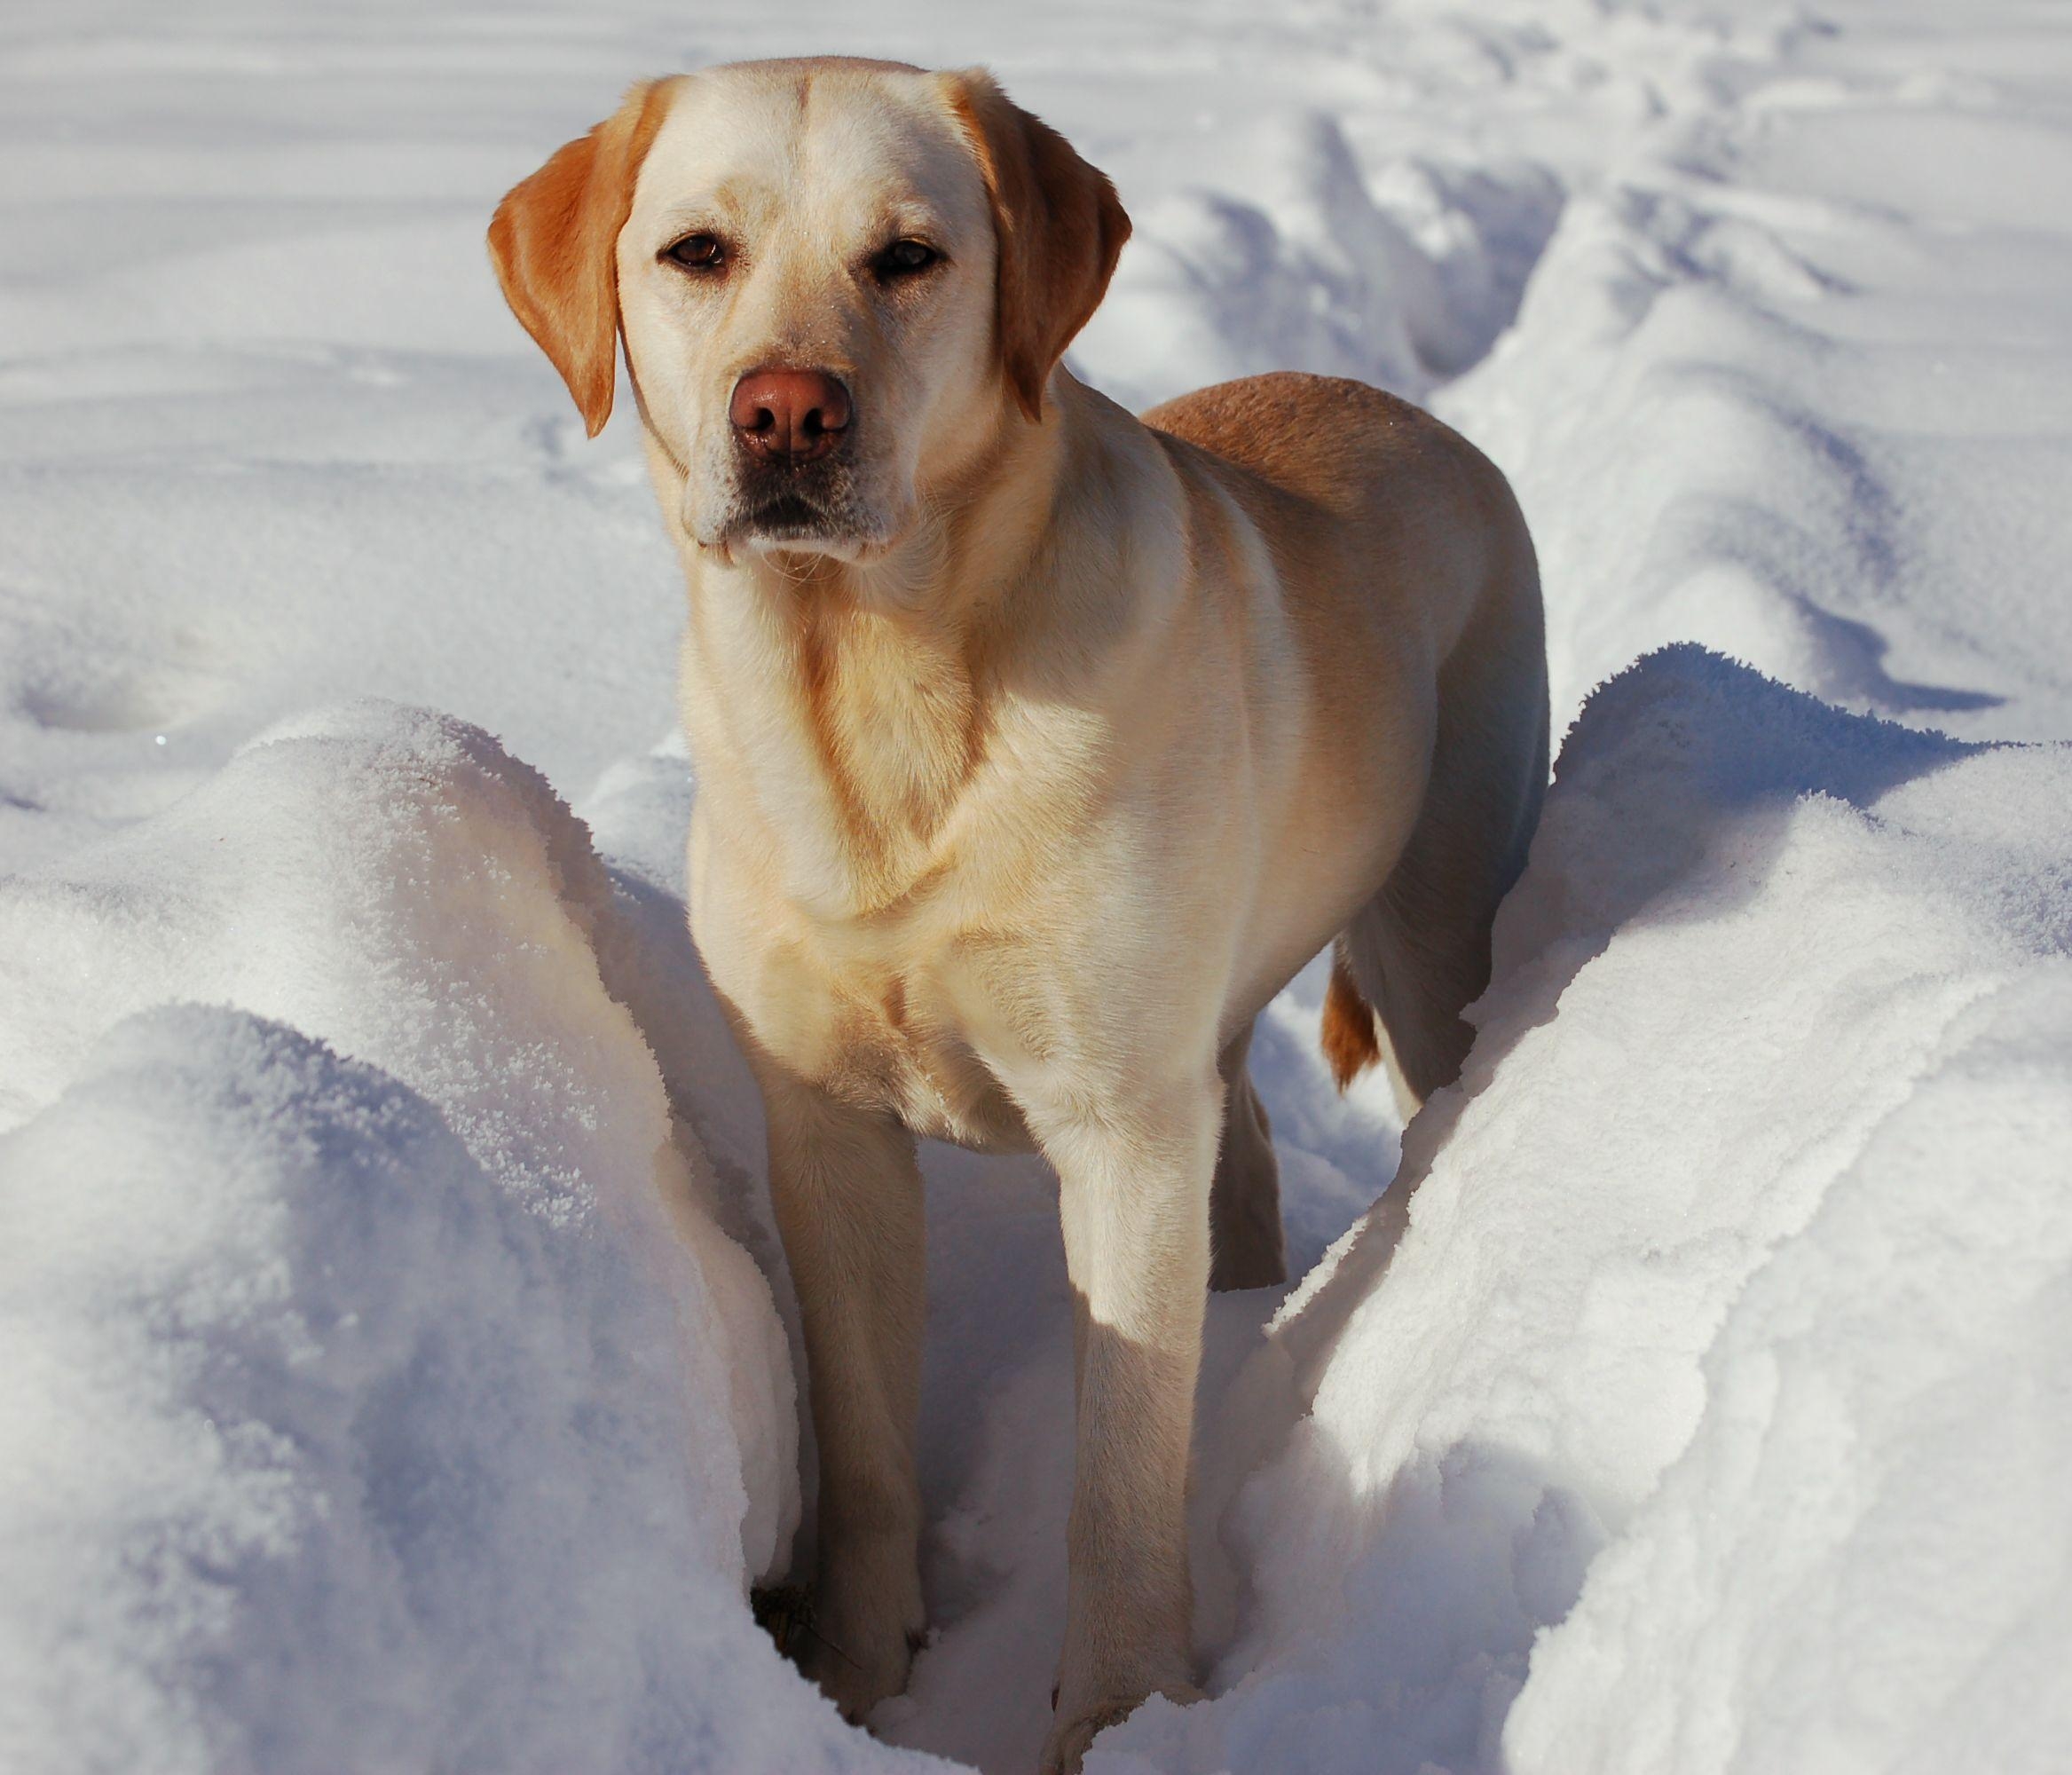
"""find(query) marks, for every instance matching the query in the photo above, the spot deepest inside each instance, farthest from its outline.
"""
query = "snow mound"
(1688, 1402)
(1827, 1577)
(407, 1409)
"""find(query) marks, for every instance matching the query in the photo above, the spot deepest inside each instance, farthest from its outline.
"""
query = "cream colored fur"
(1024, 788)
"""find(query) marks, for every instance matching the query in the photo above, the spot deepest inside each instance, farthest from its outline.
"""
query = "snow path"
(1764, 311)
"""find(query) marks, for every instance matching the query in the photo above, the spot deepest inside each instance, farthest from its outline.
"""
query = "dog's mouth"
(789, 517)
(829, 506)
(793, 524)
(808, 514)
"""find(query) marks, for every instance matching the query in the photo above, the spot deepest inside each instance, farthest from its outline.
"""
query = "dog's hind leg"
(1244, 1202)
(1418, 953)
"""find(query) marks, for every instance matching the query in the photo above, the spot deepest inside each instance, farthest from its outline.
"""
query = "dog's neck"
(855, 700)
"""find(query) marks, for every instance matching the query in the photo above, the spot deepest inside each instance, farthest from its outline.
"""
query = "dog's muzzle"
(795, 461)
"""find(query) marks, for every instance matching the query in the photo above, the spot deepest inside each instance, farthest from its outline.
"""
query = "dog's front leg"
(848, 1195)
(1134, 1197)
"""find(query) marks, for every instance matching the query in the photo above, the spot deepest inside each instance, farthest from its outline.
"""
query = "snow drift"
(374, 1412)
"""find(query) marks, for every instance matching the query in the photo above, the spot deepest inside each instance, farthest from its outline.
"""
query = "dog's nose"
(795, 415)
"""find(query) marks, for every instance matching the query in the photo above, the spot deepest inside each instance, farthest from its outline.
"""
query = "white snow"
(400, 1365)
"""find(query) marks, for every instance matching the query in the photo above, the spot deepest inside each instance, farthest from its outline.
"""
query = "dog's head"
(836, 280)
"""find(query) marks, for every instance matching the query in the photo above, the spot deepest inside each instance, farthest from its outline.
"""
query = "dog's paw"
(1075, 1729)
(857, 1662)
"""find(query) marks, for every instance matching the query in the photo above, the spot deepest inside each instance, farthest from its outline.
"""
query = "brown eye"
(698, 253)
(904, 258)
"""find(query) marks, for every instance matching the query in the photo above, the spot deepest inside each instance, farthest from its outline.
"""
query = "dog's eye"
(698, 253)
(904, 258)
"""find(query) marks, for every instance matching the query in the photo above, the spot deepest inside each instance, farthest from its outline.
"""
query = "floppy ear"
(554, 242)
(1059, 225)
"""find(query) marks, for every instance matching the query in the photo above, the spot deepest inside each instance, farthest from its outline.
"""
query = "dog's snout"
(791, 414)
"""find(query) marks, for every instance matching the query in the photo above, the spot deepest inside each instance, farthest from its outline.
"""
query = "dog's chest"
(889, 1036)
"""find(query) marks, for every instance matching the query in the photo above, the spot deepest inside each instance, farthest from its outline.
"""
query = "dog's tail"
(1350, 1041)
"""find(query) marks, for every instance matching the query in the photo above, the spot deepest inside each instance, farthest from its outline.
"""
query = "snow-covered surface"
(399, 1370)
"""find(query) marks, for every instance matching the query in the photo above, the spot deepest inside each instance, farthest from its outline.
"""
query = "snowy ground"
(397, 1368)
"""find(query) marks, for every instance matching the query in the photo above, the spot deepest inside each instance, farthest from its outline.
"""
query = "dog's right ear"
(554, 241)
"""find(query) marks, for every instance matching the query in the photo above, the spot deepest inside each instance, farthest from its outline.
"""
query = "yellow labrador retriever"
(1038, 745)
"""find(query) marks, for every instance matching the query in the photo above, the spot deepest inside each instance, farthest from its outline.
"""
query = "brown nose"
(797, 415)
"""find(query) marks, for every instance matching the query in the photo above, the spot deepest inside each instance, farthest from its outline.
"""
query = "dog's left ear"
(555, 242)
(1059, 225)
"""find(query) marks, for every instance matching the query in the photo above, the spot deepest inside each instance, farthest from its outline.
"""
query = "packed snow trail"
(1701, 1409)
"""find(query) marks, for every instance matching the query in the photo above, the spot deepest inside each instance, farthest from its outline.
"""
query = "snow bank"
(371, 1412)
(1690, 1403)
(1863, 1559)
